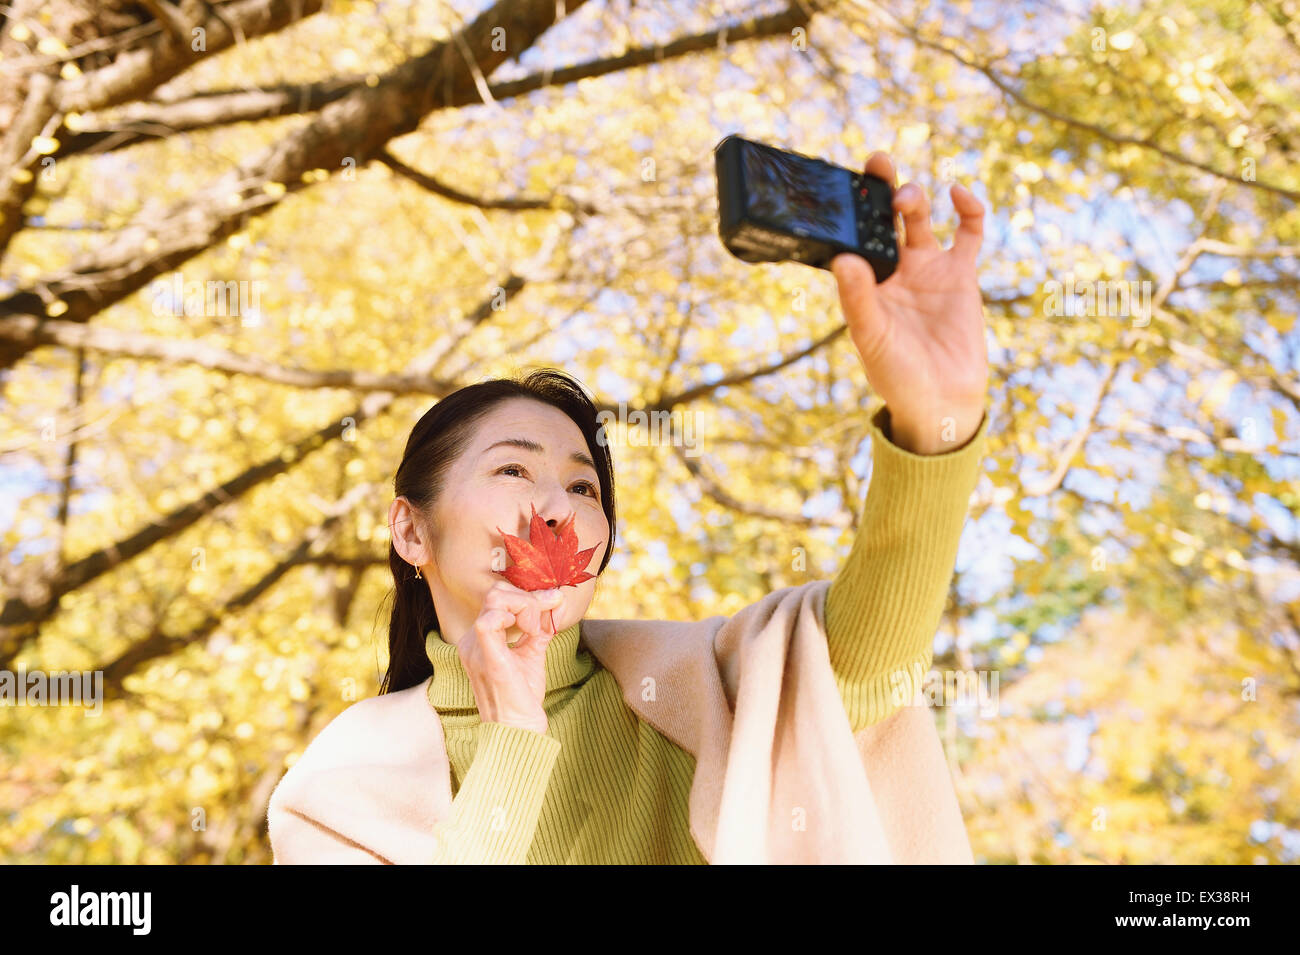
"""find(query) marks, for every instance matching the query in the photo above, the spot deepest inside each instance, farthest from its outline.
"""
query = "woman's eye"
(587, 484)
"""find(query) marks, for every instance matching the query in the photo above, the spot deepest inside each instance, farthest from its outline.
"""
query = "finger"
(530, 608)
(857, 288)
(914, 204)
(490, 627)
(538, 637)
(880, 165)
(856, 283)
(506, 596)
(535, 642)
(542, 604)
(970, 230)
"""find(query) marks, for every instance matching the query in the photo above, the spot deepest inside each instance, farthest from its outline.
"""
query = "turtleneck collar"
(567, 663)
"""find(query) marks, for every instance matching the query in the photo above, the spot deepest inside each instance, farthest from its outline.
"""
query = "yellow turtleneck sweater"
(603, 786)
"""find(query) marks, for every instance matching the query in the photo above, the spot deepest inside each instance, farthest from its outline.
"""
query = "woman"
(561, 739)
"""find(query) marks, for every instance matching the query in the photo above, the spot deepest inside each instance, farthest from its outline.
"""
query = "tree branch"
(172, 20)
(1184, 435)
(160, 644)
(22, 614)
(205, 110)
(134, 73)
(455, 195)
(715, 491)
(17, 155)
(143, 121)
(356, 128)
(1053, 481)
(1131, 335)
(741, 377)
(1118, 139)
(129, 344)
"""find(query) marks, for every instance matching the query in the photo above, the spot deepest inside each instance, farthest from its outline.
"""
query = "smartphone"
(775, 205)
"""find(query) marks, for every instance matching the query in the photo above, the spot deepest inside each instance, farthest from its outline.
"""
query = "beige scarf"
(784, 779)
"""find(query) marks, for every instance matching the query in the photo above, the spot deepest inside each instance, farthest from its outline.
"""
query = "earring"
(417, 573)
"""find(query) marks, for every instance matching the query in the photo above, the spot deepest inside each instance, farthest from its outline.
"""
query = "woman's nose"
(553, 507)
(554, 516)
(553, 522)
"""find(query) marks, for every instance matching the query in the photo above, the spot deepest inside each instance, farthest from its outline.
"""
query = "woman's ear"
(404, 528)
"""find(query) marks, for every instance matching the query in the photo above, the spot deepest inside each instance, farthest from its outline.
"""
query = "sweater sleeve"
(884, 605)
(494, 814)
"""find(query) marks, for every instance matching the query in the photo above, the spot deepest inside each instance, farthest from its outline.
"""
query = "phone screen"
(812, 197)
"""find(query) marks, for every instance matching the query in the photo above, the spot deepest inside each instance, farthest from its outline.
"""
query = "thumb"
(857, 288)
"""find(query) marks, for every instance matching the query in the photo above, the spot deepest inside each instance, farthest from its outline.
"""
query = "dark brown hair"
(437, 439)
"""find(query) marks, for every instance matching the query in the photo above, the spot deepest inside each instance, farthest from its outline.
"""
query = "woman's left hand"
(920, 333)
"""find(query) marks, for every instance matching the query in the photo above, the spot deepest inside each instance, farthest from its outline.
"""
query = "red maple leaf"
(548, 559)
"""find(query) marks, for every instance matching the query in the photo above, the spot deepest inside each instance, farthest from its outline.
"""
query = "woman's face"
(523, 452)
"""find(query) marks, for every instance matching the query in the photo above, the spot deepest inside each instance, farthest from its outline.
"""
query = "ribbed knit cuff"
(883, 607)
(494, 815)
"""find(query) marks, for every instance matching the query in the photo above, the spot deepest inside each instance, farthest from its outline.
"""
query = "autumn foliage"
(548, 558)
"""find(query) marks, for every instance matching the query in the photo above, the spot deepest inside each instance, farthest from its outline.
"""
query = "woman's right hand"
(509, 683)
